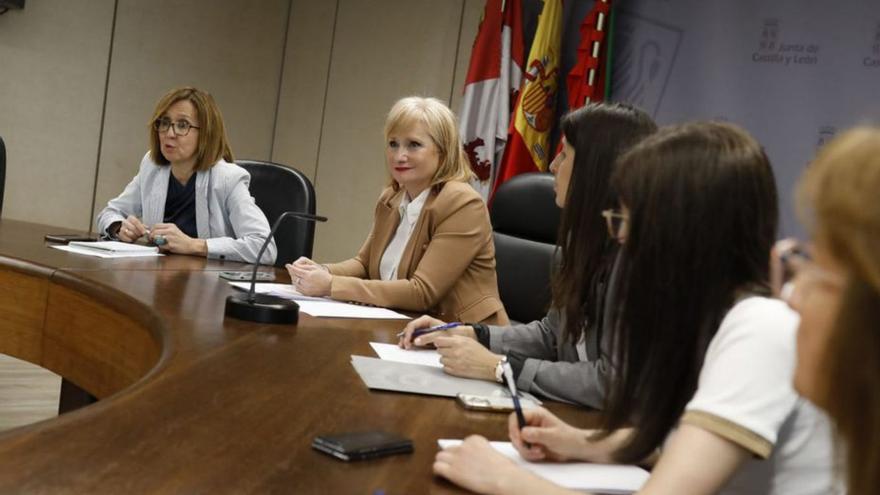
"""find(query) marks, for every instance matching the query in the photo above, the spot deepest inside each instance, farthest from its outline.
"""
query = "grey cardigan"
(227, 217)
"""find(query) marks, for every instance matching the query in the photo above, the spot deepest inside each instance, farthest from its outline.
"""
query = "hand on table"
(475, 465)
(406, 341)
(550, 438)
(309, 278)
(131, 229)
(176, 241)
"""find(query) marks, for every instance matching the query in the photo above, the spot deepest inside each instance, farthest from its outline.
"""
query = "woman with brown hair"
(561, 356)
(701, 388)
(838, 297)
(189, 197)
(431, 246)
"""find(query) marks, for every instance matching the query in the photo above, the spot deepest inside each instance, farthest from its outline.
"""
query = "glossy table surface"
(229, 406)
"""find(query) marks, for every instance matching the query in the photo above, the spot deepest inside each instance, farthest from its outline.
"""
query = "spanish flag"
(528, 146)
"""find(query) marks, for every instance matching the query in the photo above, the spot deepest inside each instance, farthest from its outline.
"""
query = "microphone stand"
(265, 308)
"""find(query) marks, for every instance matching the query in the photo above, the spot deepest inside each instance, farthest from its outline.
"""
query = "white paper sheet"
(336, 309)
(107, 254)
(601, 478)
(391, 352)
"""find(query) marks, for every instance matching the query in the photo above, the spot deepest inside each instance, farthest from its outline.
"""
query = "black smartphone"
(65, 238)
(354, 446)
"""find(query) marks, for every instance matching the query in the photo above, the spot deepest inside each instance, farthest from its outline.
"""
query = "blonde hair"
(213, 143)
(441, 125)
(840, 193)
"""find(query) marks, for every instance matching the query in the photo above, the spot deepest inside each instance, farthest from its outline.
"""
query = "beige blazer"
(447, 268)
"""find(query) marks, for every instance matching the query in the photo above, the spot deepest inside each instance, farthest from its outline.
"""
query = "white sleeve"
(129, 202)
(745, 389)
(249, 226)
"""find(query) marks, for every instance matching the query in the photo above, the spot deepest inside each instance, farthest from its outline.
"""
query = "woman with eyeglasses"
(189, 197)
(561, 356)
(704, 358)
(838, 297)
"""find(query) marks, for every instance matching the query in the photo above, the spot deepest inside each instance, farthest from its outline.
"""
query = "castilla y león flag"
(528, 145)
(493, 78)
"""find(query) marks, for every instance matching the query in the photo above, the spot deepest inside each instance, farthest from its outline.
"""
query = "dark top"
(180, 205)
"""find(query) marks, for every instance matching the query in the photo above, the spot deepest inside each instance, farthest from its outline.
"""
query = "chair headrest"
(525, 206)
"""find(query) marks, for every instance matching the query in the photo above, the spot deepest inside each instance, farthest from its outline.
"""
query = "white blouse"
(409, 215)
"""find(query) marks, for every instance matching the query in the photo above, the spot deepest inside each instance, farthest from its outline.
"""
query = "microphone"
(264, 308)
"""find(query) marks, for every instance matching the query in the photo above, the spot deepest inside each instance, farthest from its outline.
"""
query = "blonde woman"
(431, 245)
(189, 197)
(838, 297)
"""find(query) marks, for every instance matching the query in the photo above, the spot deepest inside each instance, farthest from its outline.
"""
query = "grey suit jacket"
(552, 366)
(227, 217)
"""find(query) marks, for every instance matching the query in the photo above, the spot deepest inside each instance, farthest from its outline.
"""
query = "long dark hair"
(598, 132)
(703, 214)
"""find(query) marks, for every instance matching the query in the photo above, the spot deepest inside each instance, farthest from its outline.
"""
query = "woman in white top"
(431, 247)
(703, 359)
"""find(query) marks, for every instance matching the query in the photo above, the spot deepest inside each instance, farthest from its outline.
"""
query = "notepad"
(109, 249)
(584, 476)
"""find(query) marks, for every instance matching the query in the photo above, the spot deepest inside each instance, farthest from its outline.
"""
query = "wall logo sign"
(873, 58)
(826, 133)
(773, 49)
(645, 51)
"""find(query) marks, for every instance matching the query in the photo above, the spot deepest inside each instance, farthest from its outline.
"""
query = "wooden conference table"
(193, 402)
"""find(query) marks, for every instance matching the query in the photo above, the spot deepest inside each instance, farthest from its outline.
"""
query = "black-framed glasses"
(616, 222)
(181, 127)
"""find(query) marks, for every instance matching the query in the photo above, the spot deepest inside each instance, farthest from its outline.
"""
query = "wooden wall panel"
(303, 87)
(53, 61)
(407, 47)
(228, 47)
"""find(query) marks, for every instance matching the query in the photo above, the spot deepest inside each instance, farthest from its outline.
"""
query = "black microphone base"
(263, 309)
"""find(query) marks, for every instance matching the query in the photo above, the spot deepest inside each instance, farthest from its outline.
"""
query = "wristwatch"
(499, 369)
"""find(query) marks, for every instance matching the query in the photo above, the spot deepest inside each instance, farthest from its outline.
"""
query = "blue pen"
(435, 328)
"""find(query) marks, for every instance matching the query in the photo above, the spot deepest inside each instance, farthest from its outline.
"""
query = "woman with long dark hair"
(560, 356)
(701, 388)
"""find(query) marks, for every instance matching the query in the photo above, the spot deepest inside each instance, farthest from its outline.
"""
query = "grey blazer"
(553, 368)
(227, 217)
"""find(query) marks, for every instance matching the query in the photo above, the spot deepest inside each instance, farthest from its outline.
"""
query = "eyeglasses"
(799, 275)
(617, 223)
(181, 127)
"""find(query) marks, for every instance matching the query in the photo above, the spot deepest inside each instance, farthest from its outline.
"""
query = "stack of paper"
(110, 249)
(584, 476)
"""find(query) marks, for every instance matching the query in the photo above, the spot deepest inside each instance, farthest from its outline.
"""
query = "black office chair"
(525, 219)
(2, 172)
(276, 189)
